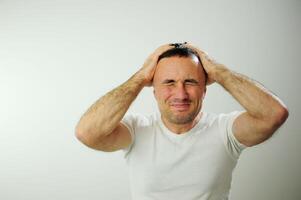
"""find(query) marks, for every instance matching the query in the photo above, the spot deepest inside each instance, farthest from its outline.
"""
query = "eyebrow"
(190, 80)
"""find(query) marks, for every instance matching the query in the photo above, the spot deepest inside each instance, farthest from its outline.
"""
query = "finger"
(162, 49)
(198, 50)
(202, 54)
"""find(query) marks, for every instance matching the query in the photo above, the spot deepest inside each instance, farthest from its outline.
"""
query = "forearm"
(106, 113)
(257, 100)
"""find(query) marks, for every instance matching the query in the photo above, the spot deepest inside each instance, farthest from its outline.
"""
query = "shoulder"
(223, 123)
(137, 119)
(222, 118)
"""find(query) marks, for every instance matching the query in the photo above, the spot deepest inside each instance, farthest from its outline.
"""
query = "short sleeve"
(233, 146)
(130, 122)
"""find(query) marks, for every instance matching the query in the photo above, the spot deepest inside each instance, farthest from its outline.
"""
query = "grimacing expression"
(179, 88)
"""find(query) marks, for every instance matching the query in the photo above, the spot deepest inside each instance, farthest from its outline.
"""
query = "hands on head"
(208, 63)
(149, 67)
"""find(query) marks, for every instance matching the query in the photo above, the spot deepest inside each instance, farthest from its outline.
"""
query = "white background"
(58, 57)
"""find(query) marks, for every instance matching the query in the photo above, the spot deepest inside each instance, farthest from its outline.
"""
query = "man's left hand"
(209, 64)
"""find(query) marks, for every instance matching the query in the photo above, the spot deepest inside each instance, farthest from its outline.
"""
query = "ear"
(154, 92)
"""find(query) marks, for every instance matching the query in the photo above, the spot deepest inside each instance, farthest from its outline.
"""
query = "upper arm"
(251, 131)
(120, 138)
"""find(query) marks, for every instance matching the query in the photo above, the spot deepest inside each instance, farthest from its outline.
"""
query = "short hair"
(182, 51)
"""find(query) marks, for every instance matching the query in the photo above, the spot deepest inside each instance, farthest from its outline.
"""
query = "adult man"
(181, 153)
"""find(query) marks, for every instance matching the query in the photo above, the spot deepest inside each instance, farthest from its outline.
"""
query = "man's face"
(179, 88)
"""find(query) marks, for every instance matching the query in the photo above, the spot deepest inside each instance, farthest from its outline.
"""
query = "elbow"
(88, 138)
(82, 134)
(280, 116)
(83, 137)
(79, 134)
(283, 115)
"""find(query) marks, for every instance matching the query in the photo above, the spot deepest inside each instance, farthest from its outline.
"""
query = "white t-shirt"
(196, 165)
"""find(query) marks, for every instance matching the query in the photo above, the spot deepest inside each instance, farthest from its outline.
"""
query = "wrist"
(221, 74)
(140, 78)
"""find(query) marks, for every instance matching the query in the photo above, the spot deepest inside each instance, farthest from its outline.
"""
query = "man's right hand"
(149, 67)
(100, 127)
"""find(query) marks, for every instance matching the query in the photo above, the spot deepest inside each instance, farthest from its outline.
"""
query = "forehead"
(173, 67)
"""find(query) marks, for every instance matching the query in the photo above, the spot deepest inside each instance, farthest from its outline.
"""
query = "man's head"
(181, 51)
(179, 85)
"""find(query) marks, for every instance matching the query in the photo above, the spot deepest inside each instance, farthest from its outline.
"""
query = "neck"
(181, 128)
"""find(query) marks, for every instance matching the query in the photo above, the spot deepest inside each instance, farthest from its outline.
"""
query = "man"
(182, 153)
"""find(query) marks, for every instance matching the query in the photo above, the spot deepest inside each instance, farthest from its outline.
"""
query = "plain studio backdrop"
(58, 57)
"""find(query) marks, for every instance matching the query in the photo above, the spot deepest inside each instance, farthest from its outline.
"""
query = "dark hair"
(181, 51)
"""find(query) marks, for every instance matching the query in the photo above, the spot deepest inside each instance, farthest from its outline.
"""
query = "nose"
(180, 91)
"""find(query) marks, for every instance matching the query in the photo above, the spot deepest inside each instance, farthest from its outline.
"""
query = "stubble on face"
(177, 117)
(178, 109)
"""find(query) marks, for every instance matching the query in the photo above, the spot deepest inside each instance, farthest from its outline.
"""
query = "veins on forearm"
(252, 95)
(118, 98)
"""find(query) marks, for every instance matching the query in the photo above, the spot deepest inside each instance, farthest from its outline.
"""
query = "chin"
(181, 119)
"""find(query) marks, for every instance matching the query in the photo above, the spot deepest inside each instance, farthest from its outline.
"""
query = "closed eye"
(168, 82)
(191, 82)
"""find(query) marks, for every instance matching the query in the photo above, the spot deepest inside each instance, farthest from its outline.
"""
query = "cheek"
(195, 93)
(163, 93)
